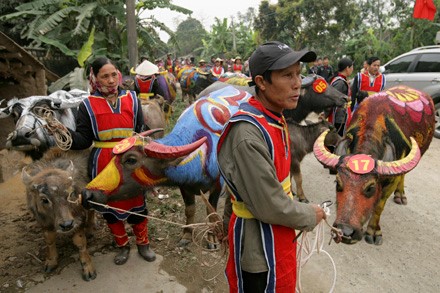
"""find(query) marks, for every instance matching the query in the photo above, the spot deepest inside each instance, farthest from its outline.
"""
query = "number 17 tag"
(361, 164)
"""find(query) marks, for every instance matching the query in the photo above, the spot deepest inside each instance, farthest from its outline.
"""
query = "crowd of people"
(367, 81)
(263, 214)
(221, 65)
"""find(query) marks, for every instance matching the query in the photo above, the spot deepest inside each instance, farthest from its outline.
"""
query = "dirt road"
(407, 261)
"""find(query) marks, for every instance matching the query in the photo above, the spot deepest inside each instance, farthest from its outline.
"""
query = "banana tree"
(65, 25)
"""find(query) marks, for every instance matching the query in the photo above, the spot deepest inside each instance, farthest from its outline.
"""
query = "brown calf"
(49, 184)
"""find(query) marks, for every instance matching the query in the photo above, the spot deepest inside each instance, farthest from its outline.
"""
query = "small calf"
(49, 183)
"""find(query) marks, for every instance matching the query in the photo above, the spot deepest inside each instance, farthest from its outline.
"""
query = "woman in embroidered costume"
(107, 116)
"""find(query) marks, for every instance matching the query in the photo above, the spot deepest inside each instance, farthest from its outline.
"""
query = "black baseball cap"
(275, 55)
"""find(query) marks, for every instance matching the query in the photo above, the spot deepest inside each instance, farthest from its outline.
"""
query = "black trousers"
(254, 282)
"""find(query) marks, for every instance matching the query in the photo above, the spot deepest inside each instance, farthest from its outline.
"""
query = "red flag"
(424, 9)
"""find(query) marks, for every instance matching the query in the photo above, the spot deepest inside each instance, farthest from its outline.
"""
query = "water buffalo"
(49, 182)
(161, 162)
(302, 139)
(385, 139)
(235, 78)
(153, 114)
(193, 81)
(316, 96)
(30, 134)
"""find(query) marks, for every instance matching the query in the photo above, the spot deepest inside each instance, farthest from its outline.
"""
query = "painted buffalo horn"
(150, 132)
(322, 154)
(403, 165)
(160, 151)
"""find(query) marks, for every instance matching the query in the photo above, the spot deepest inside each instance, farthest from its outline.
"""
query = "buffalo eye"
(370, 190)
(44, 200)
(130, 161)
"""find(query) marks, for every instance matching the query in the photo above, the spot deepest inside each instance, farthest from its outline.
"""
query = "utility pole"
(131, 32)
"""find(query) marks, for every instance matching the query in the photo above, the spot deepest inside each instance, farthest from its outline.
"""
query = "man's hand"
(319, 213)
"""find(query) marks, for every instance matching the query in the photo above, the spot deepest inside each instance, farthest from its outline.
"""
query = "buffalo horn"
(403, 165)
(160, 151)
(150, 132)
(322, 154)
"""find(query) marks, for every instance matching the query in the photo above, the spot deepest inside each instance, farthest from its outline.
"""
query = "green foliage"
(178, 107)
(266, 23)
(65, 25)
(189, 35)
(354, 28)
(86, 49)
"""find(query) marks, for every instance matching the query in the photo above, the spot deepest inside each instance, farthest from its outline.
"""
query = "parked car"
(420, 69)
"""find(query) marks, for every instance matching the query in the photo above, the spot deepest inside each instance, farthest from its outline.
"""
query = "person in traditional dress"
(254, 161)
(107, 116)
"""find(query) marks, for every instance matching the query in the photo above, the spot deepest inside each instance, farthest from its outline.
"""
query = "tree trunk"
(131, 33)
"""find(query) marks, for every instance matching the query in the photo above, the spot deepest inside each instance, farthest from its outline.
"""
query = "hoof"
(184, 242)
(87, 276)
(49, 268)
(304, 200)
(402, 200)
(369, 239)
(376, 240)
(122, 256)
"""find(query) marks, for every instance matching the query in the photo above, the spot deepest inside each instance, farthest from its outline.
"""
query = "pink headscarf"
(104, 90)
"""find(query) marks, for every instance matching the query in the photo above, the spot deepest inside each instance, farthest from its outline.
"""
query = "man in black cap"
(254, 159)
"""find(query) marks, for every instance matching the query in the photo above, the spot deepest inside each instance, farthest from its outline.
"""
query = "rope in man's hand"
(306, 249)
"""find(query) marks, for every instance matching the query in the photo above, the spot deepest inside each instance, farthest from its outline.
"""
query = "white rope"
(306, 249)
(62, 136)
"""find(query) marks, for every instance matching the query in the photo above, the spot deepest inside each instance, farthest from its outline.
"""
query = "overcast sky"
(203, 10)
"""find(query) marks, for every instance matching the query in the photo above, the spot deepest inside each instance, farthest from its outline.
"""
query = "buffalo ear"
(71, 168)
(342, 147)
(25, 177)
(390, 152)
